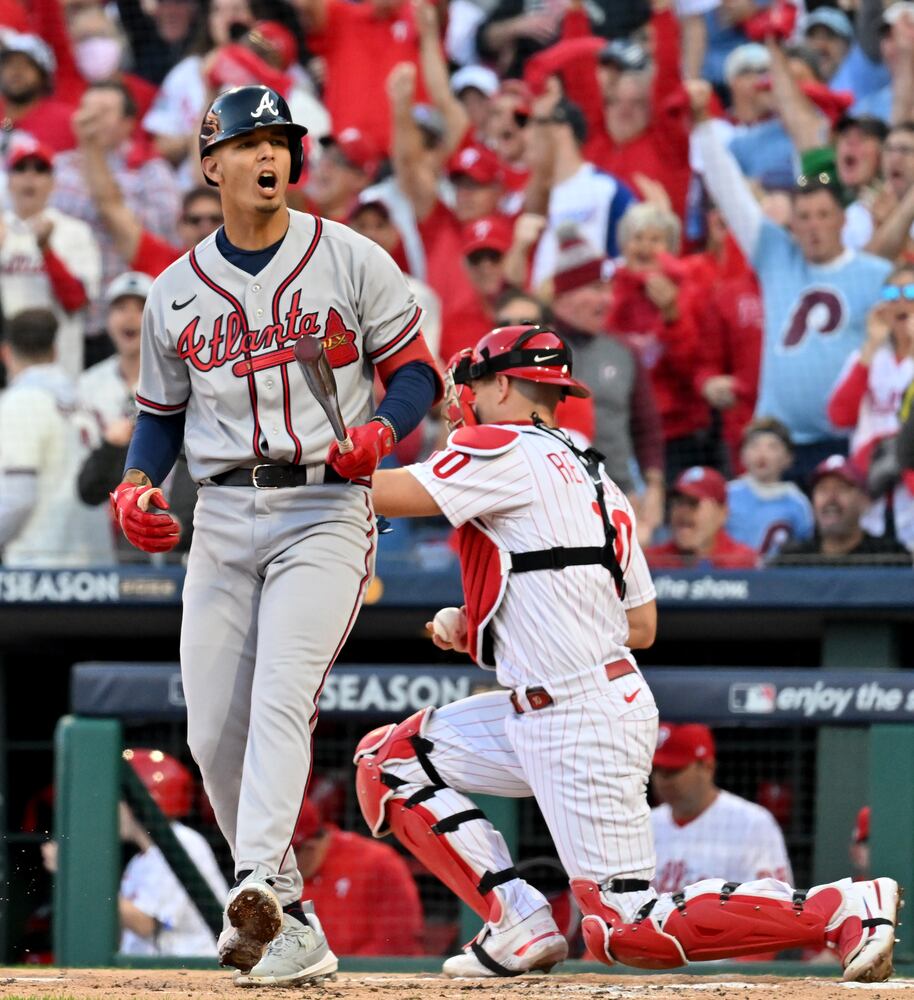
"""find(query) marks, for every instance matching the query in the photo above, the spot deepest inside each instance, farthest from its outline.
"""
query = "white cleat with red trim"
(864, 933)
(534, 945)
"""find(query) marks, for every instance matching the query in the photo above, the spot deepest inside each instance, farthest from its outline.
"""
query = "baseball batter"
(284, 538)
(557, 595)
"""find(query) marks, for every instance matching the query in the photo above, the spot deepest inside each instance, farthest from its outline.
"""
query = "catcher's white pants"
(274, 582)
(586, 759)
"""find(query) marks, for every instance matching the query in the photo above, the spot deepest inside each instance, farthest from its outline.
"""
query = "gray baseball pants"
(274, 582)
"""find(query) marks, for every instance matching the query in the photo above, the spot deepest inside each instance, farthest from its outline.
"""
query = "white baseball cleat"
(867, 935)
(253, 915)
(298, 954)
(533, 945)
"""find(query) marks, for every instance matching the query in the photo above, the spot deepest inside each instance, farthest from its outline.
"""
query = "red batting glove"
(144, 530)
(371, 442)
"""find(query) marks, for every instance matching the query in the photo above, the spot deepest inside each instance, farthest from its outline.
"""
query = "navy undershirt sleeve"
(156, 444)
(410, 393)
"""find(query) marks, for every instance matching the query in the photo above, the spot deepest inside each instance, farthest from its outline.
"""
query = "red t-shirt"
(48, 122)
(726, 554)
(153, 255)
(360, 50)
(366, 898)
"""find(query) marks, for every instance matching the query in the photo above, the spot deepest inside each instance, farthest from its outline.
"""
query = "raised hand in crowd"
(42, 227)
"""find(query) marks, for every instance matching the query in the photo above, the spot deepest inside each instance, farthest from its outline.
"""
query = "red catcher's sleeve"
(67, 289)
(415, 350)
(844, 405)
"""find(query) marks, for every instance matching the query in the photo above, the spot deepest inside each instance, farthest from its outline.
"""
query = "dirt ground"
(125, 984)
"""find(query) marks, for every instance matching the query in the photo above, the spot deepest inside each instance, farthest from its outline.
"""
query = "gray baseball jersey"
(217, 342)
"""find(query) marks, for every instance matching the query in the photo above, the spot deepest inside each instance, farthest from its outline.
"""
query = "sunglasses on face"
(198, 220)
(893, 293)
(36, 166)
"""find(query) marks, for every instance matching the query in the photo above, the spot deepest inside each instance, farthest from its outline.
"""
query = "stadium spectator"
(816, 293)
(858, 152)
(653, 306)
(581, 193)
(830, 34)
(159, 37)
(360, 43)
(839, 501)
(627, 423)
(869, 390)
(373, 220)
(105, 118)
(729, 316)
(765, 511)
(27, 67)
(744, 70)
(362, 889)
(698, 513)
(896, 46)
(347, 165)
(174, 118)
(48, 259)
(105, 395)
(42, 523)
(514, 31)
(474, 87)
(700, 828)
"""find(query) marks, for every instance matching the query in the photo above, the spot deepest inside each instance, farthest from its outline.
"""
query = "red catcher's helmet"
(167, 780)
(531, 353)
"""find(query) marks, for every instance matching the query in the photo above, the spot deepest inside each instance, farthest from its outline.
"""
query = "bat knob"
(345, 446)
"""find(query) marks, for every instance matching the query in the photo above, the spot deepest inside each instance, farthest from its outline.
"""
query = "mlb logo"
(753, 699)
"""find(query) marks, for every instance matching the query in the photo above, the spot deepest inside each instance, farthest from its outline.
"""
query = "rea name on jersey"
(218, 341)
(536, 494)
(733, 839)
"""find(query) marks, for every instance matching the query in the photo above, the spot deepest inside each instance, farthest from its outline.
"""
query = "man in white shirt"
(42, 523)
(698, 827)
(48, 259)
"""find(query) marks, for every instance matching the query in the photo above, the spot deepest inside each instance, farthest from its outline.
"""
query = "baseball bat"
(309, 353)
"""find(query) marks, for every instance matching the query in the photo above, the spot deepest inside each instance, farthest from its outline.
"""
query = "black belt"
(272, 477)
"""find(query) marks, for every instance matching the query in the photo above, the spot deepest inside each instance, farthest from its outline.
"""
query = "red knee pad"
(641, 945)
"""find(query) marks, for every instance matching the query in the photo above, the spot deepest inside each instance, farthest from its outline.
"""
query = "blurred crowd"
(711, 200)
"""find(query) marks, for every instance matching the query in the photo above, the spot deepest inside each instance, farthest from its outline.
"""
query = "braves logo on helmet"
(266, 105)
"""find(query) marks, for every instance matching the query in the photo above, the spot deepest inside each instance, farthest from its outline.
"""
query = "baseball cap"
(27, 148)
(568, 113)
(366, 204)
(749, 58)
(276, 40)
(478, 163)
(835, 20)
(129, 283)
(577, 261)
(836, 465)
(479, 78)
(491, 232)
(897, 10)
(861, 832)
(679, 746)
(868, 124)
(37, 49)
(356, 148)
(309, 824)
(701, 483)
(623, 54)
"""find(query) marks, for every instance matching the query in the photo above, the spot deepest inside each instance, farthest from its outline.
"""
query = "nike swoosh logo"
(539, 358)
(180, 305)
(631, 697)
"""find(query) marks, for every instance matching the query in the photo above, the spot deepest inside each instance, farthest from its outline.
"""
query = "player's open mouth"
(267, 181)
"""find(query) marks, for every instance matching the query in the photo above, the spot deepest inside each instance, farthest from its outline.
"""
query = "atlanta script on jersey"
(217, 342)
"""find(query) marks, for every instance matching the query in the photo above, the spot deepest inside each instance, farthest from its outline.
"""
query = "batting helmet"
(167, 780)
(531, 353)
(243, 110)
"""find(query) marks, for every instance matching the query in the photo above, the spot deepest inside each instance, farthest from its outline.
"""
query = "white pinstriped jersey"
(217, 342)
(537, 495)
(733, 839)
